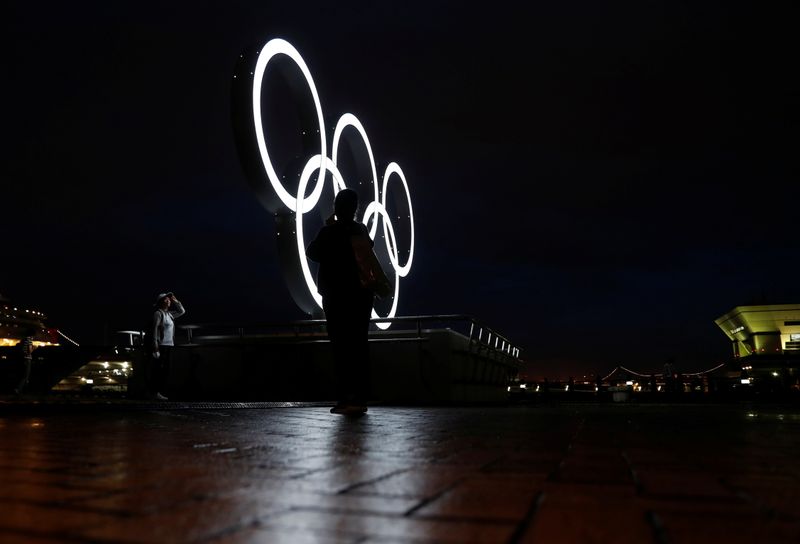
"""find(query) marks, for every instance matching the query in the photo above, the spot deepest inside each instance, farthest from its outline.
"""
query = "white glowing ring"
(282, 47)
(376, 208)
(350, 120)
(394, 256)
(301, 204)
(312, 166)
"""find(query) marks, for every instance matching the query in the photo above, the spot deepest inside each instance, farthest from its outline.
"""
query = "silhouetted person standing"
(26, 345)
(347, 304)
(163, 341)
(669, 376)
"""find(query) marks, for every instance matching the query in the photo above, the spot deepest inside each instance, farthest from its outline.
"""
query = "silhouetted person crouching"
(347, 304)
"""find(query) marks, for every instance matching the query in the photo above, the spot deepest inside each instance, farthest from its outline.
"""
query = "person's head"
(164, 300)
(345, 205)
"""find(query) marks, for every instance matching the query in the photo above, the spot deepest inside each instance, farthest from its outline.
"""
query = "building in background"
(15, 322)
(766, 343)
(763, 330)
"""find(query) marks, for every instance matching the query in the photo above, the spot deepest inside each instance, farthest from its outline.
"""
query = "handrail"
(480, 335)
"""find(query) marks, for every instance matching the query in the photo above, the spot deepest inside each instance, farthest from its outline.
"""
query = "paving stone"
(188, 522)
(503, 498)
(47, 520)
(419, 482)
(594, 469)
(348, 502)
(28, 538)
(471, 458)
(31, 492)
(695, 485)
(393, 527)
(584, 494)
(297, 465)
(348, 475)
(780, 492)
(621, 523)
(22, 475)
(536, 463)
(260, 535)
(691, 528)
(140, 501)
(710, 507)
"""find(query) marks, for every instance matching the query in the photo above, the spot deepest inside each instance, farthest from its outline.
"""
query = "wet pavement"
(296, 473)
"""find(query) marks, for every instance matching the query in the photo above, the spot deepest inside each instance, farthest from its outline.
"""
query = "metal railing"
(479, 335)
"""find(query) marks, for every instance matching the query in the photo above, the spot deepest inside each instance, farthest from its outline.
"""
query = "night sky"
(598, 181)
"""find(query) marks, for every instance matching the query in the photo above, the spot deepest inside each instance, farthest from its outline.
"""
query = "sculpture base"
(418, 366)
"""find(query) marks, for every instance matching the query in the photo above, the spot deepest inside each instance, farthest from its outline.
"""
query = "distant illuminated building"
(756, 330)
(766, 344)
(16, 320)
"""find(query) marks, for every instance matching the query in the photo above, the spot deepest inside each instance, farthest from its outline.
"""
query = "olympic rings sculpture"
(248, 121)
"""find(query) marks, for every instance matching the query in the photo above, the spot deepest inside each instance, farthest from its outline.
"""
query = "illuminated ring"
(402, 271)
(376, 209)
(301, 204)
(346, 120)
(282, 47)
(312, 166)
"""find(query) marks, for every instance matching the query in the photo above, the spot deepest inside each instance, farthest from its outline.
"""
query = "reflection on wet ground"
(566, 473)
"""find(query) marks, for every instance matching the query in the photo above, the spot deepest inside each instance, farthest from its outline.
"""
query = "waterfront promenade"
(236, 473)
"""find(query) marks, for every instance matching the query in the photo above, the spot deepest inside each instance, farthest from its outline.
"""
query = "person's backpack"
(370, 272)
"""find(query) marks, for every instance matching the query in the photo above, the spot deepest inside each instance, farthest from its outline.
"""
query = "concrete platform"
(247, 473)
(421, 365)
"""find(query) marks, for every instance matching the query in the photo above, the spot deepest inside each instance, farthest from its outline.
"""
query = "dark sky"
(599, 181)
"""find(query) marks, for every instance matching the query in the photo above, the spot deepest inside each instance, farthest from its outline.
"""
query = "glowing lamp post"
(253, 144)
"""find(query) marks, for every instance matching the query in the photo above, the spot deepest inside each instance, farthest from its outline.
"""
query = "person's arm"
(316, 249)
(157, 318)
(365, 230)
(179, 309)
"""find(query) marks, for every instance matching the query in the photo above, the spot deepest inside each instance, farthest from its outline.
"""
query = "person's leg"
(360, 347)
(353, 347)
(350, 357)
(337, 336)
(347, 331)
(26, 375)
(163, 369)
(150, 373)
